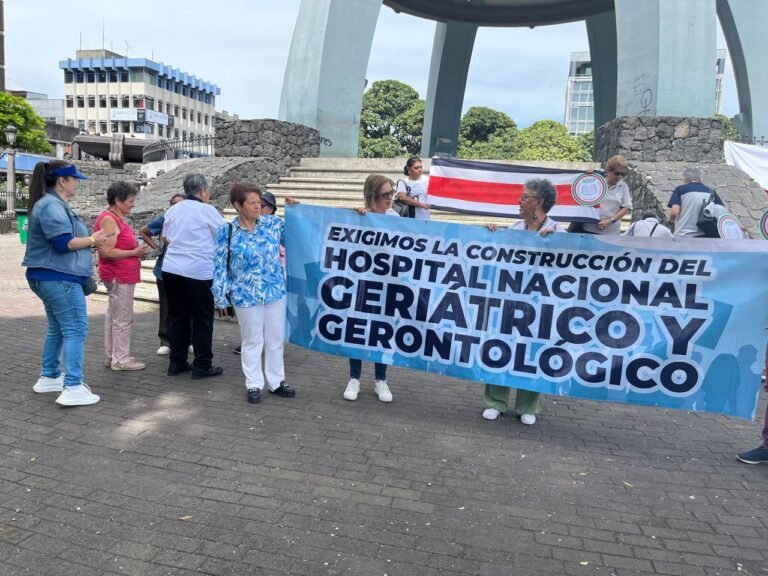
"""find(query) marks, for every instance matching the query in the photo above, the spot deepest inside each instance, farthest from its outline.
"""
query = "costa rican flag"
(492, 189)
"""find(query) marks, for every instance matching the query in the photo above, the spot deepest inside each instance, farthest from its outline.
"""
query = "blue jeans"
(356, 368)
(64, 304)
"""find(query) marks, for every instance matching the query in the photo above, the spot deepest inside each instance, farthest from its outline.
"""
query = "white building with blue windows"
(107, 93)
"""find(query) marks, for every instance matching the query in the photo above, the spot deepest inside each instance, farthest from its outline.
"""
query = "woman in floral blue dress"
(249, 276)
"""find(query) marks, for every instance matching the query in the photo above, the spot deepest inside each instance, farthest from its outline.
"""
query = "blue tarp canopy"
(25, 163)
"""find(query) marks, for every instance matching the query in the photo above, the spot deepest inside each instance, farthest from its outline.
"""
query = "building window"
(176, 134)
(141, 128)
(113, 127)
(90, 77)
(70, 102)
(183, 113)
(159, 105)
(125, 102)
(81, 125)
(113, 75)
(149, 103)
(79, 77)
(138, 101)
(183, 134)
(168, 84)
(113, 101)
(205, 119)
(160, 130)
(102, 76)
(177, 87)
(71, 123)
(137, 76)
(125, 127)
(176, 110)
(199, 118)
(102, 101)
(124, 76)
(185, 90)
(68, 76)
(81, 101)
(168, 109)
(103, 127)
(92, 127)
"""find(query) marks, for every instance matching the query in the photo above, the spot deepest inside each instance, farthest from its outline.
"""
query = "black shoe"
(175, 369)
(199, 373)
(254, 395)
(238, 350)
(284, 391)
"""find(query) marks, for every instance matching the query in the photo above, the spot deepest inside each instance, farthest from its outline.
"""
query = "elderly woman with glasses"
(539, 196)
(379, 192)
(617, 202)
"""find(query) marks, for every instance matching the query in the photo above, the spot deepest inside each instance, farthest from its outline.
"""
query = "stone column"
(325, 73)
(743, 23)
(666, 56)
(451, 54)
(601, 31)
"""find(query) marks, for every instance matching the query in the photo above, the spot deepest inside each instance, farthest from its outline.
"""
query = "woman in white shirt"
(413, 190)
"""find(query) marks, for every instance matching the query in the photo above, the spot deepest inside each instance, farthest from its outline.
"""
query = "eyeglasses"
(526, 196)
(618, 174)
(385, 195)
(265, 205)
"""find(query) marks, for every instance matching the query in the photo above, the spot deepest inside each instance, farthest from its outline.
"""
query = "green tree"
(730, 132)
(391, 112)
(481, 124)
(587, 146)
(501, 146)
(546, 140)
(31, 134)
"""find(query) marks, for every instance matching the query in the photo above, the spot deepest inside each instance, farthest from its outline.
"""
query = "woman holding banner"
(617, 202)
(539, 196)
(379, 192)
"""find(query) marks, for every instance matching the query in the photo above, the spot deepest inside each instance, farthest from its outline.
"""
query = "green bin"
(22, 222)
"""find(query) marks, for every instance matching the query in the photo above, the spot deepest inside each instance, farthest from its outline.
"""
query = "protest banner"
(679, 324)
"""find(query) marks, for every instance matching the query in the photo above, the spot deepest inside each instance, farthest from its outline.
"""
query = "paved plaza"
(171, 476)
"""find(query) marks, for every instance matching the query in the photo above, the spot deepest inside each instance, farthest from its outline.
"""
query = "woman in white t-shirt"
(413, 190)
(379, 192)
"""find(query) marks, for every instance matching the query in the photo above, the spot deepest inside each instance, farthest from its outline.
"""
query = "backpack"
(707, 220)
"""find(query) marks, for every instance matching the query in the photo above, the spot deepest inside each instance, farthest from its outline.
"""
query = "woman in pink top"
(120, 270)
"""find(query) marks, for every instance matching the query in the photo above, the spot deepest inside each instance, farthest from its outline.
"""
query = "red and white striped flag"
(493, 189)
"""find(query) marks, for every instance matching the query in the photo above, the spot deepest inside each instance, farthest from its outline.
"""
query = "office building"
(106, 93)
(579, 100)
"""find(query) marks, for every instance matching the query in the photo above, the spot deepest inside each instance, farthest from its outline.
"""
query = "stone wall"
(652, 183)
(285, 143)
(660, 139)
(222, 172)
(92, 193)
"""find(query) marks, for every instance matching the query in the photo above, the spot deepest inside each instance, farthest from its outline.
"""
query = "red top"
(127, 270)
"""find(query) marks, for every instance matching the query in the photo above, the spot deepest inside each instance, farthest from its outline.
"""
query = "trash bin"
(22, 223)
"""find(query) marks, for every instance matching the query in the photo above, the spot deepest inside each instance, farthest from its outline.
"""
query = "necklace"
(540, 225)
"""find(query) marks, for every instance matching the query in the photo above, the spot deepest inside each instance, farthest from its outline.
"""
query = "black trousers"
(190, 318)
(162, 328)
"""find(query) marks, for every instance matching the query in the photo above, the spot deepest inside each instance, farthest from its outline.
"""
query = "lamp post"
(10, 136)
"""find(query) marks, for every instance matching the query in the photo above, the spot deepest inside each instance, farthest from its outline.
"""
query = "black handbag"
(707, 223)
(403, 209)
(90, 286)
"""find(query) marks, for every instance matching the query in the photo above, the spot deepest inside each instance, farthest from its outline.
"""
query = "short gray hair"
(692, 174)
(544, 190)
(194, 184)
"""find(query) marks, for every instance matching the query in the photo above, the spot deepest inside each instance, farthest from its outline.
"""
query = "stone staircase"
(337, 182)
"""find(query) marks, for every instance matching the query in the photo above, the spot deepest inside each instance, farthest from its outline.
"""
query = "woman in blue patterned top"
(248, 275)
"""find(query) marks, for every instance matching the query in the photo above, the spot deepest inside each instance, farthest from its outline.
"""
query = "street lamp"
(10, 137)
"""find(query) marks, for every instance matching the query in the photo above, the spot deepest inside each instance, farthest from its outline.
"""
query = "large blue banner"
(660, 322)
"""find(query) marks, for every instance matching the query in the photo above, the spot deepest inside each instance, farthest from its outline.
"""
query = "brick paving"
(170, 476)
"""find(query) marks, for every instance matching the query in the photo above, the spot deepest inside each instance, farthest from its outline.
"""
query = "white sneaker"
(353, 389)
(77, 396)
(163, 351)
(45, 384)
(491, 414)
(528, 419)
(382, 391)
(191, 349)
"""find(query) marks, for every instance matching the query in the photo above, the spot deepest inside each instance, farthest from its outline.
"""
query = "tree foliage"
(730, 132)
(586, 146)
(391, 109)
(546, 140)
(482, 124)
(384, 147)
(31, 134)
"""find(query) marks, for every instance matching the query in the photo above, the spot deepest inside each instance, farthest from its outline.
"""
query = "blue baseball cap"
(70, 170)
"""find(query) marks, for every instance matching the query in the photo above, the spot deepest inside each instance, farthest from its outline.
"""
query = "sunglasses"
(385, 195)
(618, 174)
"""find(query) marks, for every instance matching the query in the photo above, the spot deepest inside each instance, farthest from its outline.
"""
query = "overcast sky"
(242, 46)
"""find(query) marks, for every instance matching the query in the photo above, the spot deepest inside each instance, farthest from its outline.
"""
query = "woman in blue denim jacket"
(59, 264)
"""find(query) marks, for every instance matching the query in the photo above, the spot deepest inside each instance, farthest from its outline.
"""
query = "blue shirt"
(51, 217)
(154, 227)
(256, 274)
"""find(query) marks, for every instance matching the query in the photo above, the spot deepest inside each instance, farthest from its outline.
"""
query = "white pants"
(262, 328)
